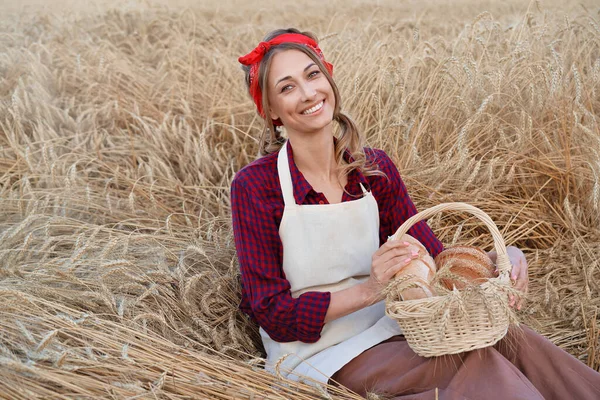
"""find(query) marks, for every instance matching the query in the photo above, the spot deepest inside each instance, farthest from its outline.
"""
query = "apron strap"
(285, 176)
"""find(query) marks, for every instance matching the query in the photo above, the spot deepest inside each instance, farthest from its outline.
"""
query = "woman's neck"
(314, 155)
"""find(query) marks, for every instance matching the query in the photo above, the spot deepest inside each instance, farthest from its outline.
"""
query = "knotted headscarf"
(254, 58)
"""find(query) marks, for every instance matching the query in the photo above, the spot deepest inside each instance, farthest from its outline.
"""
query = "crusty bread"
(466, 265)
(421, 269)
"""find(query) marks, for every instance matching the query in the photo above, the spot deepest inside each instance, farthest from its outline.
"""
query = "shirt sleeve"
(398, 207)
(260, 255)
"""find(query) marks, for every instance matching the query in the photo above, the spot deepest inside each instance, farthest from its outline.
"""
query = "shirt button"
(321, 202)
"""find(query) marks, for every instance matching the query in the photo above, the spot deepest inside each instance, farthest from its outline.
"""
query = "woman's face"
(299, 93)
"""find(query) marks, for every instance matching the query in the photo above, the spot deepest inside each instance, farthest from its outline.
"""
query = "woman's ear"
(273, 114)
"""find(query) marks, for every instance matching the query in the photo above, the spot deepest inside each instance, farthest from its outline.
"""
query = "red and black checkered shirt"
(257, 207)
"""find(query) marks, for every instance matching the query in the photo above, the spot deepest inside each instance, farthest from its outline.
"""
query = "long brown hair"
(349, 137)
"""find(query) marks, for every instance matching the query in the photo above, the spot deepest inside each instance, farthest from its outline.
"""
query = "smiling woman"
(311, 218)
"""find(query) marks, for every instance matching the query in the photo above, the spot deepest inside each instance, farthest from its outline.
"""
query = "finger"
(397, 267)
(395, 264)
(524, 271)
(514, 299)
(521, 285)
(522, 277)
(396, 254)
(412, 251)
(522, 298)
(511, 300)
(390, 244)
(514, 272)
(513, 277)
(522, 288)
(518, 265)
(381, 269)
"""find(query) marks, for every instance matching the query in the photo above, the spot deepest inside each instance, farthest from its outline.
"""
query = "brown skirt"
(523, 365)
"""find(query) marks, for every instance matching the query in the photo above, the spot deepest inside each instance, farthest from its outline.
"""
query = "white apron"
(328, 248)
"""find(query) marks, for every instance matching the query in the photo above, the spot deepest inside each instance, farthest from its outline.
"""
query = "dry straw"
(122, 126)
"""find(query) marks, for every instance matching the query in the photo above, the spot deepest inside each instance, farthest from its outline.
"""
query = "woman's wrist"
(370, 293)
(351, 299)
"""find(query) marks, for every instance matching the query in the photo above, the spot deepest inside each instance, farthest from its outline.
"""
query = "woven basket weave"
(460, 321)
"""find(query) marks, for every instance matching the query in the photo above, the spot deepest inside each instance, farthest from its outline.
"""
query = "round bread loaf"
(461, 266)
(421, 271)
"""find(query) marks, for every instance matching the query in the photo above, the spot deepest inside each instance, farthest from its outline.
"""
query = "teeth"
(313, 109)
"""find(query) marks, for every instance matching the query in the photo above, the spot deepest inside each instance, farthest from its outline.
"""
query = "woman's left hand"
(518, 275)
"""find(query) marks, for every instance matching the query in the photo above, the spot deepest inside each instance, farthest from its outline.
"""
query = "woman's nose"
(308, 92)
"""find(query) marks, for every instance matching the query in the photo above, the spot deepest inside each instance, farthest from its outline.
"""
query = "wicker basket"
(459, 321)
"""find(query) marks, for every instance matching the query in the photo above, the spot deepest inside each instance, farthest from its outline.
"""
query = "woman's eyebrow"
(289, 77)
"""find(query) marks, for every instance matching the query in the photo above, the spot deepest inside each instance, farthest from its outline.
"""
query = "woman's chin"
(314, 125)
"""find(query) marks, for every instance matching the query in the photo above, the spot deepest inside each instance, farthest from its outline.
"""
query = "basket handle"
(503, 262)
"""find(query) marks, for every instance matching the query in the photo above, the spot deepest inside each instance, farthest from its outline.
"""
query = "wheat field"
(122, 125)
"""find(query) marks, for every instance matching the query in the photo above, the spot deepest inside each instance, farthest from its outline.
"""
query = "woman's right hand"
(386, 263)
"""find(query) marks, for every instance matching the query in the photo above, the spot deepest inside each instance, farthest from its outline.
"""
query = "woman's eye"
(313, 74)
(286, 88)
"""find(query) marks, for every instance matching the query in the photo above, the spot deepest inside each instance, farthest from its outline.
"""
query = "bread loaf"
(421, 271)
(461, 266)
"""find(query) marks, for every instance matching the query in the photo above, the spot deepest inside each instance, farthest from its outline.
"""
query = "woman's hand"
(387, 262)
(518, 274)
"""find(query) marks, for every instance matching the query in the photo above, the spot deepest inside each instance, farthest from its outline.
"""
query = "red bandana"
(254, 58)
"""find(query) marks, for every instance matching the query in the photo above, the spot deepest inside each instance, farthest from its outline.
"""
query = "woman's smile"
(315, 109)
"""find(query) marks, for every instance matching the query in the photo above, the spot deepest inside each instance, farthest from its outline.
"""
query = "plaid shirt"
(257, 207)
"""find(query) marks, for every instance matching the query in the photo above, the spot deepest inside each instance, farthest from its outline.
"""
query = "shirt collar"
(301, 185)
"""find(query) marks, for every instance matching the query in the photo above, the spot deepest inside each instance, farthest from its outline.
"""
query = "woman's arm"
(347, 301)
(260, 256)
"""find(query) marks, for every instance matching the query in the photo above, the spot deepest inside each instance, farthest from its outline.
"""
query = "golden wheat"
(122, 125)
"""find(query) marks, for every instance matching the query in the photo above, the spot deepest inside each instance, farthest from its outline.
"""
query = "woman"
(311, 220)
